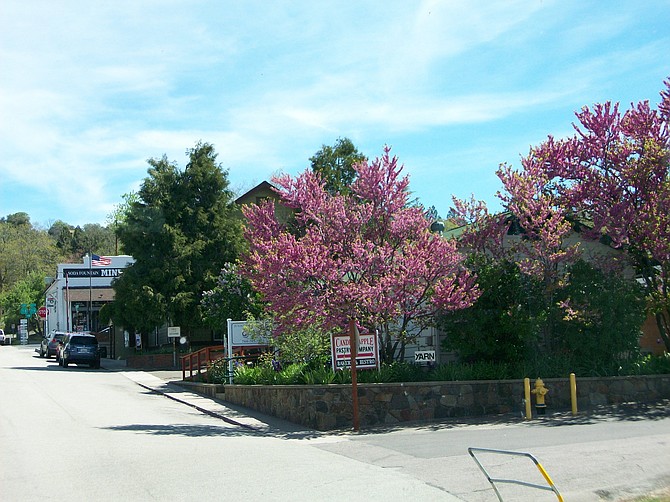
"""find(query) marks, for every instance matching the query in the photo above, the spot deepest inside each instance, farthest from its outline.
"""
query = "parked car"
(80, 348)
(49, 345)
(2, 337)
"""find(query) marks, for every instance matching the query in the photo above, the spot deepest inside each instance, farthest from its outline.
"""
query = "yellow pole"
(526, 393)
(548, 479)
(573, 393)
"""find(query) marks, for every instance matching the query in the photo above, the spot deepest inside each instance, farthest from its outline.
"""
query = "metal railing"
(551, 487)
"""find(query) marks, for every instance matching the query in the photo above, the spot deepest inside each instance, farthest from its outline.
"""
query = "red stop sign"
(42, 312)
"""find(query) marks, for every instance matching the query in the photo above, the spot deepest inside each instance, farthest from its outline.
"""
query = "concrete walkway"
(166, 382)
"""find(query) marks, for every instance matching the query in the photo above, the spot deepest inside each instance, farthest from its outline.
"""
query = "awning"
(95, 295)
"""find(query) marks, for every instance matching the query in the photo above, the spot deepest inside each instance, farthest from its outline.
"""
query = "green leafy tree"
(602, 317)
(24, 249)
(231, 298)
(17, 219)
(182, 229)
(504, 322)
(118, 216)
(295, 344)
(63, 235)
(27, 290)
(335, 165)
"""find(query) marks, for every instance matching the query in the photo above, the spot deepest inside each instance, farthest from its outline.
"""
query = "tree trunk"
(662, 324)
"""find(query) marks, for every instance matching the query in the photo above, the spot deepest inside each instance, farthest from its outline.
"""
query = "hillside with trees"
(29, 256)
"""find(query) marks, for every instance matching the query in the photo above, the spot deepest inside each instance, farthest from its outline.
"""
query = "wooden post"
(353, 346)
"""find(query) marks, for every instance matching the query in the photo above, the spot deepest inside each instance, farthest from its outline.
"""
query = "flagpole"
(67, 304)
(90, 290)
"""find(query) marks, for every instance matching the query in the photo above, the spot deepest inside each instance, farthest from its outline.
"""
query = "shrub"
(291, 375)
(318, 376)
(557, 366)
(218, 371)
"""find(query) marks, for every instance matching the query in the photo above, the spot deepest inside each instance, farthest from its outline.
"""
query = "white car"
(2, 337)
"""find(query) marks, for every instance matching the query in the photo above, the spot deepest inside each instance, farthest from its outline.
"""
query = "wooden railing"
(196, 362)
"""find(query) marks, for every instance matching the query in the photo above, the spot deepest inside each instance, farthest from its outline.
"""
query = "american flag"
(100, 261)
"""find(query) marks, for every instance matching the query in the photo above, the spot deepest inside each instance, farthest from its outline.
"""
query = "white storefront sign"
(368, 353)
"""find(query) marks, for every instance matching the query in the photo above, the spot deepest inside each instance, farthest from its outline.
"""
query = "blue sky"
(89, 90)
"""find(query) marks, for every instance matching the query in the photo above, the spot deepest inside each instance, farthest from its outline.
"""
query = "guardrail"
(195, 362)
(493, 481)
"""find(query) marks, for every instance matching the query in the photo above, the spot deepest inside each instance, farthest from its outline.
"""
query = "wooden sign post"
(353, 344)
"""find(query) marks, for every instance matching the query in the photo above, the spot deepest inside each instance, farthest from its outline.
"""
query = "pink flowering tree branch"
(366, 255)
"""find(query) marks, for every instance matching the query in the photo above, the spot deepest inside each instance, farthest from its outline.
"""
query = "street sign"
(174, 331)
(42, 312)
(28, 309)
(23, 331)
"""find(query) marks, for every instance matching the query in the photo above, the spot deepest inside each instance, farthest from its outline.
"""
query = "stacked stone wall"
(329, 407)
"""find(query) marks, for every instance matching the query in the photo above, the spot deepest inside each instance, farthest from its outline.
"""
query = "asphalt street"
(611, 456)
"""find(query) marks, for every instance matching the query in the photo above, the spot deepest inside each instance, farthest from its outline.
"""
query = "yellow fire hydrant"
(540, 390)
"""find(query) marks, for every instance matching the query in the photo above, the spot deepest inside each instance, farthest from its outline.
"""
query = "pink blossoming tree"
(365, 255)
(614, 175)
(615, 172)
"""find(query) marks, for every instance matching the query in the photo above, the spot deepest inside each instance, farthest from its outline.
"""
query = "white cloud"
(91, 90)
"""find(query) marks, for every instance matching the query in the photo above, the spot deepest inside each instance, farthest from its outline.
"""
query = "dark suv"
(80, 349)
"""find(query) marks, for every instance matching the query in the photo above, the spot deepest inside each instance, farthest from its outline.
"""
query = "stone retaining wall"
(328, 407)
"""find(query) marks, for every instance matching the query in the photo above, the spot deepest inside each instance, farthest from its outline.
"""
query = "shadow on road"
(211, 431)
(183, 430)
(621, 412)
(55, 367)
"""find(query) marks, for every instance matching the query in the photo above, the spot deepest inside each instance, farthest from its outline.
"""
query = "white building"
(74, 298)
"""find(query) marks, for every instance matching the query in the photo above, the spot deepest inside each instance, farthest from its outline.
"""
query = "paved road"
(81, 434)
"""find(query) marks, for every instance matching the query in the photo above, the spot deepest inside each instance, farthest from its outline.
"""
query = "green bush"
(482, 370)
(291, 375)
(650, 365)
(558, 366)
(342, 376)
(318, 376)
(217, 372)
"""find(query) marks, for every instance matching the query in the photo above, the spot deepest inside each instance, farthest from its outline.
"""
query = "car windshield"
(84, 340)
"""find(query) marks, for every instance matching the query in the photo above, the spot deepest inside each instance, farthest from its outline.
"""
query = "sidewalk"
(166, 383)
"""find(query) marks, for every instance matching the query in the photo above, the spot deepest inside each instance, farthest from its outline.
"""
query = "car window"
(84, 340)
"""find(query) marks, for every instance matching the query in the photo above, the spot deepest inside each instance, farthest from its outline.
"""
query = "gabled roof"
(263, 189)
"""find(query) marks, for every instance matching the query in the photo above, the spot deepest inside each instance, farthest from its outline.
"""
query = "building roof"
(263, 189)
